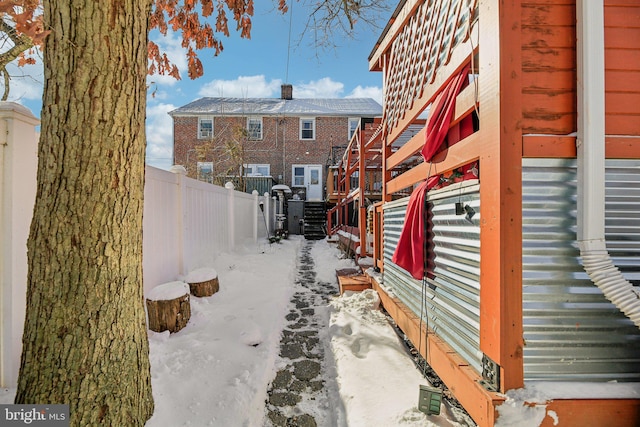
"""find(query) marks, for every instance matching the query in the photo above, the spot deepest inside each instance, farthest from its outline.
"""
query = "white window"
(205, 127)
(314, 176)
(354, 122)
(205, 171)
(254, 127)
(252, 169)
(298, 176)
(307, 128)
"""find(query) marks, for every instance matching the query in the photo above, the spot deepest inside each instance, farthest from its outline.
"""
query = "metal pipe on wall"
(591, 161)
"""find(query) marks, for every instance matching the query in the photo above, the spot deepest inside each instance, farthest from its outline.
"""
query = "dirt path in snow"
(301, 393)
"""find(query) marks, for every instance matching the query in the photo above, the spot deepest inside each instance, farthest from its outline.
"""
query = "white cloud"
(259, 87)
(367, 92)
(242, 87)
(159, 127)
(322, 88)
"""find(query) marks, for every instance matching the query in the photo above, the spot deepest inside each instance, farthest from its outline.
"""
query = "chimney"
(286, 91)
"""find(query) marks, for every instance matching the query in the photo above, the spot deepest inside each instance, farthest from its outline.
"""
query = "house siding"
(549, 67)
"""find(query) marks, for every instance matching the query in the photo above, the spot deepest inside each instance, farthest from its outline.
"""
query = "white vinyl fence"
(186, 225)
(18, 163)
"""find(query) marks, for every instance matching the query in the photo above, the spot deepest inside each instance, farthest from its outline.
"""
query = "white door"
(309, 176)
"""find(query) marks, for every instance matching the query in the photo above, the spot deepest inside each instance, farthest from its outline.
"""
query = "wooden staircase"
(315, 220)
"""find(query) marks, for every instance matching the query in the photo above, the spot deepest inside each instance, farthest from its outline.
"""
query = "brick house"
(288, 140)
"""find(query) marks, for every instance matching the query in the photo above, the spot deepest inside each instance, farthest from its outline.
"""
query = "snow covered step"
(350, 279)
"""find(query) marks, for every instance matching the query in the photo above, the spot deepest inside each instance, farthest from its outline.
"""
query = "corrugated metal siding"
(571, 331)
(449, 303)
(262, 184)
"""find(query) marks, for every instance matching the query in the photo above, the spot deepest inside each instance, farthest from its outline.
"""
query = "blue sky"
(246, 68)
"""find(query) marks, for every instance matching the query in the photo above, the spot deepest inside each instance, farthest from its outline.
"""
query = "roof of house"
(358, 107)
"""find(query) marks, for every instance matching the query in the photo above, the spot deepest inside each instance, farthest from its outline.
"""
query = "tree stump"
(168, 307)
(203, 282)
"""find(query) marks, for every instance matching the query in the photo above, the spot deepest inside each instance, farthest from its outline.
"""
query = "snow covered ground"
(216, 370)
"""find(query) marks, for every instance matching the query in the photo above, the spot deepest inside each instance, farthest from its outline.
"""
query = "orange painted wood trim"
(553, 146)
(378, 220)
(464, 105)
(383, 45)
(547, 146)
(353, 283)
(386, 170)
(411, 147)
(466, 101)
(620, 147)
(593, 412)
(501, 329)
(362, 209)
(456, 374)
(461, 153)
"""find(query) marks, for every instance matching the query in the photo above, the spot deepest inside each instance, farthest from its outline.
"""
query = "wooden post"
(267, 212)
(362, 209)
(181, 173)
(231, 212)
(256, 214)
(500, 149)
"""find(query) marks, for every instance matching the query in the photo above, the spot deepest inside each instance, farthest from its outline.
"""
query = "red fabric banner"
(410, 251)
(442, 110)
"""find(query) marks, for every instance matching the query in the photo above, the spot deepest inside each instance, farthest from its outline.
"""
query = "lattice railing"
(423, 45)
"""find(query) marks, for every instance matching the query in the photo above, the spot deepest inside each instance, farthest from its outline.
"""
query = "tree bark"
(169, 315)
(205, 289)
(85, 341)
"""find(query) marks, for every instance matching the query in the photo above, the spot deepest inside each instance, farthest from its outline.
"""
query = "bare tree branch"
(21, 43)
(333, 20)
(5, 76)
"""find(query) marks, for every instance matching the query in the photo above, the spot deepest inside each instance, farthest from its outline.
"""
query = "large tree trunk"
(85, 340)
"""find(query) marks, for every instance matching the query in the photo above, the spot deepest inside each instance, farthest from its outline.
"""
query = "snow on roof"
(358, 107)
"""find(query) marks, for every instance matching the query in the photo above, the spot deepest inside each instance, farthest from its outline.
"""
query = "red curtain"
(442, 110)
(410, 251)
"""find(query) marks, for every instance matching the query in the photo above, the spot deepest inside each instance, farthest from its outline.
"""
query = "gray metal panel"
(262, 184)
(449, 302)
(295, 213)
(330, 107)
(572, 333)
